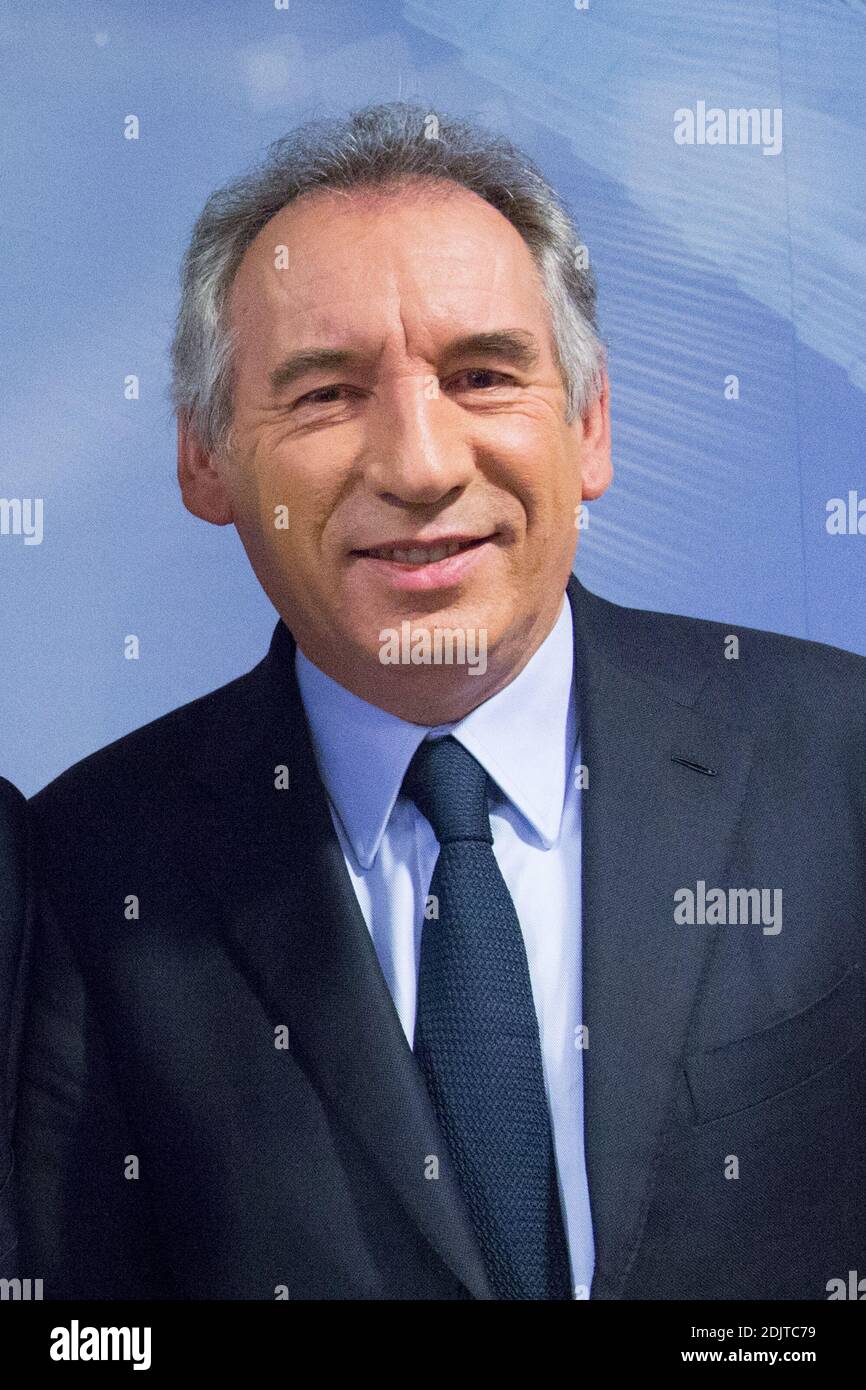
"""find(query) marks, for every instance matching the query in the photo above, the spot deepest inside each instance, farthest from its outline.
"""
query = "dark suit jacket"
(12, 969)
(713, 1050)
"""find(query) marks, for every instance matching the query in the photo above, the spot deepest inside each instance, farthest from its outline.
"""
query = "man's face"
(409, 435)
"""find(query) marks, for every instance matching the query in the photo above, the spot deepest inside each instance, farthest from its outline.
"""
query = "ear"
(202, 486)
(593, 436)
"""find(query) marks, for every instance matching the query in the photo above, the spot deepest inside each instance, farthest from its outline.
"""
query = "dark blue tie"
(476, 1035)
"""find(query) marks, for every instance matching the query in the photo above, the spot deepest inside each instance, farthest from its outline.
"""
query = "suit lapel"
(650, 826)
(272, 860)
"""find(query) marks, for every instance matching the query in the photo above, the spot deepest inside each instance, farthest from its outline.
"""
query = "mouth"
(415, 553)
(416, 564)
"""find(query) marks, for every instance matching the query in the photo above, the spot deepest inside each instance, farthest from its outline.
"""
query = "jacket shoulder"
(758, 674)
(144, 758)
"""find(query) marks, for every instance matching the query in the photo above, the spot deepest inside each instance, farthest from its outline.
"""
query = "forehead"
(358, 264)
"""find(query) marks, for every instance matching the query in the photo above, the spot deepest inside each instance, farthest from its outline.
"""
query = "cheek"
(288, 506)
(548, 490)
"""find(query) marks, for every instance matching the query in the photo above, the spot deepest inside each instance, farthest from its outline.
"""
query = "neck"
(434, 693)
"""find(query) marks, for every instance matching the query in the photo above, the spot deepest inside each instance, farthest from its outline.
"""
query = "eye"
(482, 378)
(323, 395)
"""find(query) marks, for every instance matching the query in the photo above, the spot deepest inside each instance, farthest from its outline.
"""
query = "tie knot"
(449, 787)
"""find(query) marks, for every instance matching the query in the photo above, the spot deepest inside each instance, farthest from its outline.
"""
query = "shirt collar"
(351, 738)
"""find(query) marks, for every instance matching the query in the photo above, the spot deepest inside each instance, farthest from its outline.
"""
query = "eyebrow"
(513, 345)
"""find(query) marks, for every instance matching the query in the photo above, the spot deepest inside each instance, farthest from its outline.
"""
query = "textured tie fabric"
(476, 1035)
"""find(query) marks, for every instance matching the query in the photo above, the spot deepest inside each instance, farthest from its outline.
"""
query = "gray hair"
(373, 148)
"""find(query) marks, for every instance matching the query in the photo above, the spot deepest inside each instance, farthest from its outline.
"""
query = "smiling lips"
(418, 552)
(417, 566)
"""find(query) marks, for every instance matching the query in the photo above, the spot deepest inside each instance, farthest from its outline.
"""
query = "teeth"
(417, 556)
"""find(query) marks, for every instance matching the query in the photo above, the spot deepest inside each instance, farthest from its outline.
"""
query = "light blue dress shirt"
(526, 738)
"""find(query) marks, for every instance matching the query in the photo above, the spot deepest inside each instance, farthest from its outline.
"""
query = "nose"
(417, 452)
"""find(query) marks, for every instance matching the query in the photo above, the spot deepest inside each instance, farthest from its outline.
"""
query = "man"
(12, 965)
(487, 940)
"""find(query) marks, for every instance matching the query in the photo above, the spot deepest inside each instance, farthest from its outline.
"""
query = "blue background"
(711, 260)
